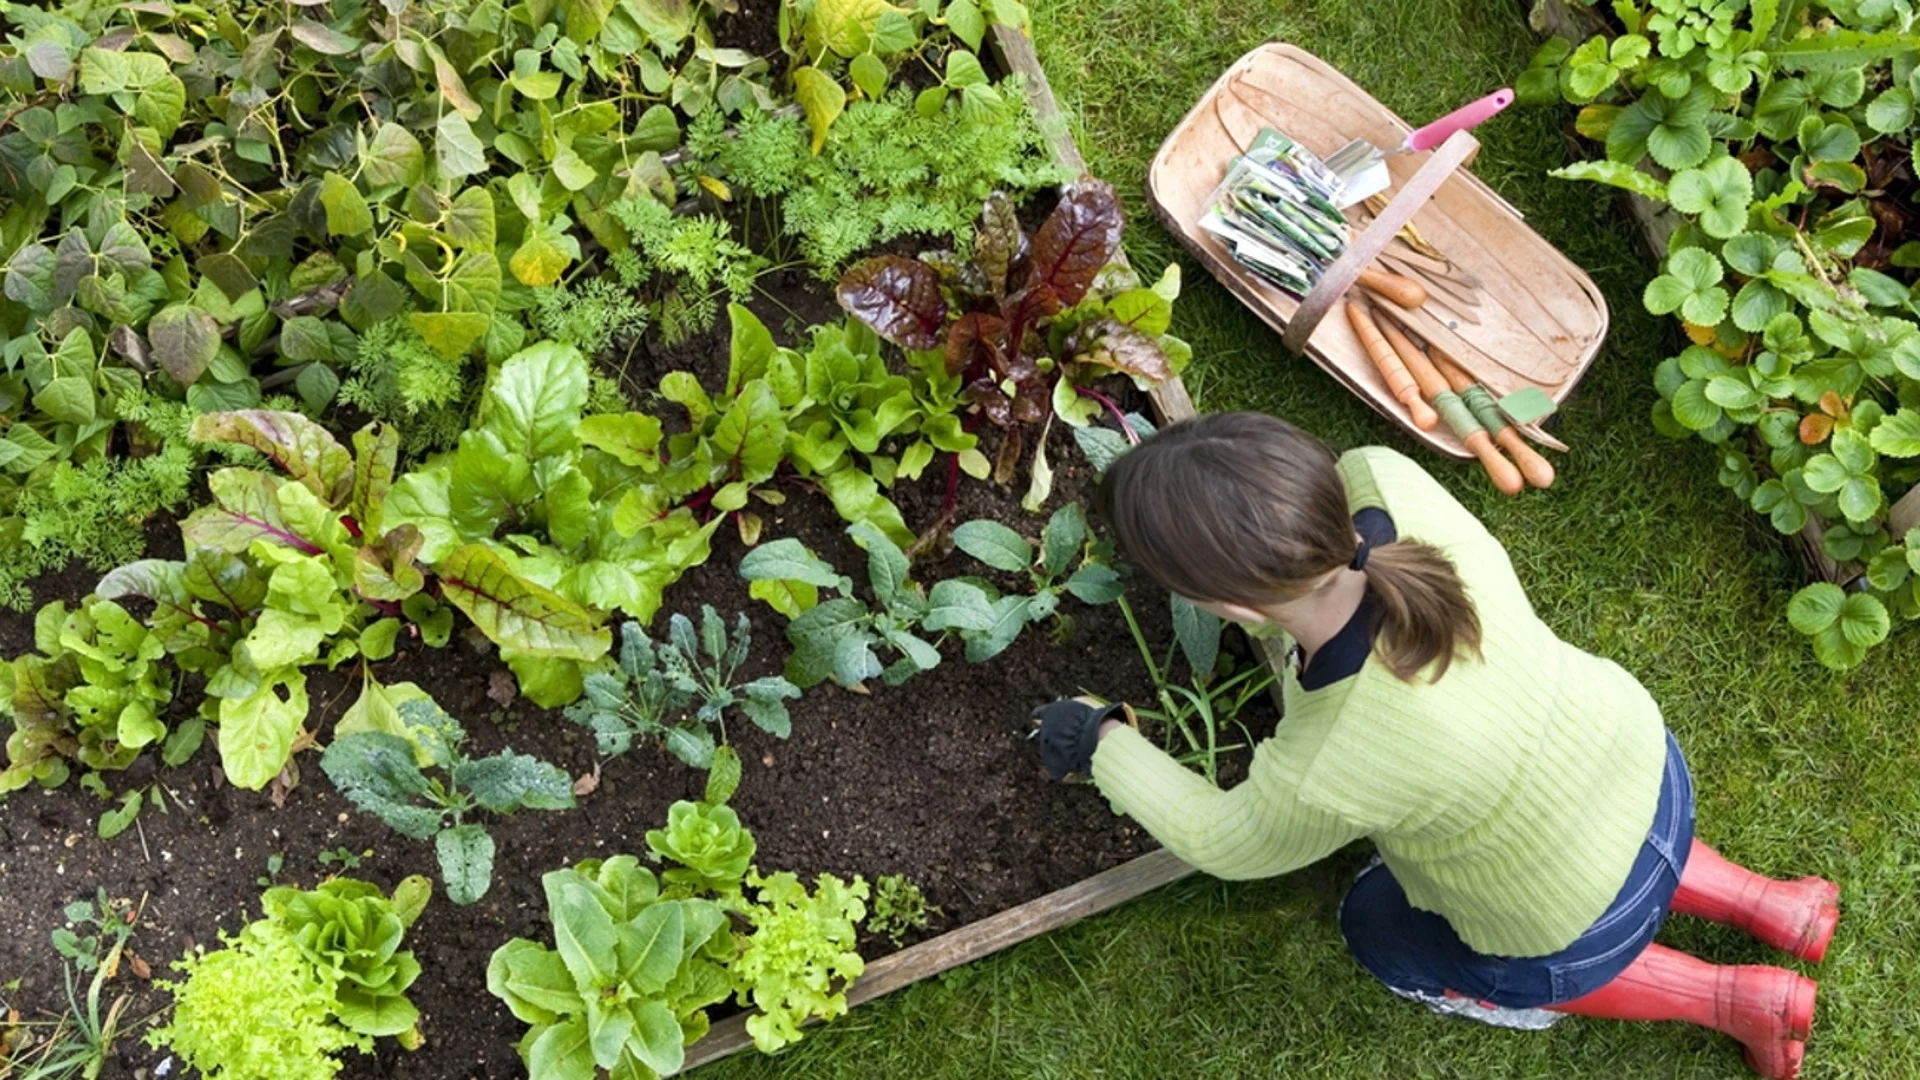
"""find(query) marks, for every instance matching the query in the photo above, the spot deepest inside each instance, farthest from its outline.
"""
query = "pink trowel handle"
(1467, 116)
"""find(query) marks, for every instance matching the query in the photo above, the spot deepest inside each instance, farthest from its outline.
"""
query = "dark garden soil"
(935, 780)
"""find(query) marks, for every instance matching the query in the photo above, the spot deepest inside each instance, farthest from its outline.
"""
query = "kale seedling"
(381, 773)
(1063, 539)
(654, 685)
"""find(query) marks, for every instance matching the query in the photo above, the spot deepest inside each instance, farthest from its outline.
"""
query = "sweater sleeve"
(1259, 829)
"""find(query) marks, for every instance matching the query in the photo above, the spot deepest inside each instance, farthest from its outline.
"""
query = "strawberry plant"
(381, 773)
(1782, 136)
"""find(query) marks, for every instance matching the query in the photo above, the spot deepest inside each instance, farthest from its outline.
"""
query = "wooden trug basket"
(1542, 319)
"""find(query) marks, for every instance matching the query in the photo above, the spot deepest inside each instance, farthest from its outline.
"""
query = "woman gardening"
(1533, 815)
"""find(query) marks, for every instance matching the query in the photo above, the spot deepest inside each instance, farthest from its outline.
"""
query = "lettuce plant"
(93, 694)
(379, 772)
(680, 690)
(353, 931)
(799, 958)
(627, 988)
(317, 975)
(738, 440)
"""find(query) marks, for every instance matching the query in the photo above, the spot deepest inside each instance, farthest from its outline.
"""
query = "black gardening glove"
(1069, 730)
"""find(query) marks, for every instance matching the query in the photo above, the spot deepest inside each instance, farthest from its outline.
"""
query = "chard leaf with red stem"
(899, 298)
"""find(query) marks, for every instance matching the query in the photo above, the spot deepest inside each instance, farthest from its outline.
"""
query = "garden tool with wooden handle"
(1399, 288)
(1400, 383)
(1506, 479)
(1537, 470)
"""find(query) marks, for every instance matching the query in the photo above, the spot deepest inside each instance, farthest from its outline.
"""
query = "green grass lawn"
(1637, 554)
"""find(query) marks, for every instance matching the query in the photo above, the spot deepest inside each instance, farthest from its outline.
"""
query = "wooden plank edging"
(976, 940)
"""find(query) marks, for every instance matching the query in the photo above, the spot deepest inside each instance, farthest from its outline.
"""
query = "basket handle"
(1367, 247)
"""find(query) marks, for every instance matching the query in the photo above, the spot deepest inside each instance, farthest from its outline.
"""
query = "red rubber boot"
(1768, 1009)
(1797, 917)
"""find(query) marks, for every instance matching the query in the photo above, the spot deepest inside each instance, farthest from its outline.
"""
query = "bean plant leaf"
(458, 151)
(185, 339)
(347, 210)
(821, 98)
(899, 298)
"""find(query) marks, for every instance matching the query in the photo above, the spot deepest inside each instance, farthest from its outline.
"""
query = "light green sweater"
(1511, 797)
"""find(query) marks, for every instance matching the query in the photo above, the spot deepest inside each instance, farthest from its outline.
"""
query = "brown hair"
(1246, 508)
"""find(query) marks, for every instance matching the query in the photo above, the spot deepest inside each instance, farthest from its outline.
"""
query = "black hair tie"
(1360, 556)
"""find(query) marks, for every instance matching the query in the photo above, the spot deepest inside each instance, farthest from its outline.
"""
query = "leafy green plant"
(93, 694)
(681, 690)
(706, 838)
(280, 573)
(1198, 712)
(79, 1043)
(520, 523)
(628, 987)
(353, 930)
(854, 404)
(837, 638)
(899, 908)
(873, 39)
(799, 958)
(735, 444)
(887, 169)
(1781, 134)
(1034, 322)
(318, 971)
(381, 773)
(1063, 542)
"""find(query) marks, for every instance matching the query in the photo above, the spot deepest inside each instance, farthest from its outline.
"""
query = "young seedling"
(654, 687)
(839, 638)
(80, 1042)
(381, 773)
(898, 908)
(1062, 542)
(1200, 711)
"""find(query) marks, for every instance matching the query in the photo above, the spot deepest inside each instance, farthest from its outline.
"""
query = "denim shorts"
(1417, 953)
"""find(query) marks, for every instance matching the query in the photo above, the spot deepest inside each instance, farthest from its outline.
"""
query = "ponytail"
(1245, 508)
(1425, 615)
